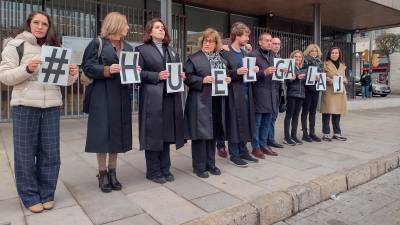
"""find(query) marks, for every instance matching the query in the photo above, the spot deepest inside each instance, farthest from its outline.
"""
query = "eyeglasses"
(209, 41)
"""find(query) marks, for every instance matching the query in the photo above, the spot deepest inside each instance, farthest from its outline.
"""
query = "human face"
(335, 54)
(266, 42)
(39, 26)
(209, 45)
(276, 45)
(298, 58)
(158, 32)
(314, 53)
(242, 40)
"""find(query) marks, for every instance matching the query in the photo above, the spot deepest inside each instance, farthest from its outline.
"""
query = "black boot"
(104, 182)
(112, 176)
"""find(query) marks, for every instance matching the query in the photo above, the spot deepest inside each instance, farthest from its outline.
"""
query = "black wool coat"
(109, 127)
(265, 93)
(204, 114)
(240, 117)
(160, 114)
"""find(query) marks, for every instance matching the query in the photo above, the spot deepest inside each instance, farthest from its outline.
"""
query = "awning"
(343, 14)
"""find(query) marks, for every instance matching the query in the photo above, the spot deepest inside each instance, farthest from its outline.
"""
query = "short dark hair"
(328, 55)
(52, 38)
(149, 27)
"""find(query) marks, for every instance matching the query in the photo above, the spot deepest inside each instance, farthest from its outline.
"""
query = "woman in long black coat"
(109, 127)
(204, 113)
(160, 113)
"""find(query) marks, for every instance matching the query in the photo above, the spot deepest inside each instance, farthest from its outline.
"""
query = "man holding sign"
(205, 104)
(334, 99)
(240, 125)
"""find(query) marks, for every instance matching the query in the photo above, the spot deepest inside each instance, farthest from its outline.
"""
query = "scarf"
(215, 60)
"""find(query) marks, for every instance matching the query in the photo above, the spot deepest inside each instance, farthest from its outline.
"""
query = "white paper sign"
(220, 86)
(78, 44)
(129, 62)
(338, 86)
(311, 74)
(55, 65)
(321, 83)
(249, 63)
(174, 81)
(280, 66)
(291, 69)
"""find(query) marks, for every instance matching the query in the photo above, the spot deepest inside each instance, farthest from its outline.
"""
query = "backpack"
(87, 81)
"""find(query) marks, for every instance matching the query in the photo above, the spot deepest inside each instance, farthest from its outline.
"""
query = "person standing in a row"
(204, 113)
(240, 109)
(312, 57)
(160, 113)
(295, 97)
(109, 129)
(35, 112)
(333, 105)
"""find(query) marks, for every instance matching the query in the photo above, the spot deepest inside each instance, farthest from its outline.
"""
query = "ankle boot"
(112, 176)
(104, 182)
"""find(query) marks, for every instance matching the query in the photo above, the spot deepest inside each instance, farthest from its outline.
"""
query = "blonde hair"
(302, 56)
(310, 47)
(113, 24)
(214, 35)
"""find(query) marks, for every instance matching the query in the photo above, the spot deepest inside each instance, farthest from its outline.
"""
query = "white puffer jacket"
(27, 90)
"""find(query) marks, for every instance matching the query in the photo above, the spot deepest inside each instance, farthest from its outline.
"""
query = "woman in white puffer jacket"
(35, 113)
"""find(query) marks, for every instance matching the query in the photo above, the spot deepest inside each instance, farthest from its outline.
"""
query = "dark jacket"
(160, 114)
(311, 61)
(240, 125)
(109, 127)
(204, 114)
(366, 80)
(296, 88)
(265, 93)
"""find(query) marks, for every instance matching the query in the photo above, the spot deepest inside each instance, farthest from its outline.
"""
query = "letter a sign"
(174, 81)
(219, 87)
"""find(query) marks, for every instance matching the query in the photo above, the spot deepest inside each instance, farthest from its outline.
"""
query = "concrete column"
(166, 13)
(317, 24)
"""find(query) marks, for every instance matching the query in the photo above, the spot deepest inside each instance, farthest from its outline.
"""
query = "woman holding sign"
(36, 112)
(295, 98)
(160, 113)
(204, 111)
(312, 59)
(109, 130)
(334, 99)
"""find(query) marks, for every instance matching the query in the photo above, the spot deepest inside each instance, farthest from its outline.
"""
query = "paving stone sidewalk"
(371, 133)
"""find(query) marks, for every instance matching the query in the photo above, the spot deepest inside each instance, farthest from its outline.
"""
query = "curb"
(277, 206)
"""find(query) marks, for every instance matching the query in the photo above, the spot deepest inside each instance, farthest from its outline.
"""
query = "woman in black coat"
(204, 113)
(295, 98)
(109, 129)
(160, 113)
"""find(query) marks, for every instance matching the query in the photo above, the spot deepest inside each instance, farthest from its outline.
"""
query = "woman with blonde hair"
(35, 112)
(109, 129)
(312, 57)
(295, 98)
(204, 113)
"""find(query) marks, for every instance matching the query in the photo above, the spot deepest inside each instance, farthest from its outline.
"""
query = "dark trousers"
(158, 163)
(309, 110)
(335, 123)
(237, 149)
(36, 134)
(292, 115)
(203, 155)
(271, 129)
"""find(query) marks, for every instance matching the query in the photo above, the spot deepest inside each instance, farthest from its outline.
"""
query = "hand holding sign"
(129, 70)
(55, 65)
(338, 86)
(219, 85)
(174, 79)
(250, 64)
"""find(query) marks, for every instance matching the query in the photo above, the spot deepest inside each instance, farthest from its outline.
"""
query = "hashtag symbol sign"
(52, 60)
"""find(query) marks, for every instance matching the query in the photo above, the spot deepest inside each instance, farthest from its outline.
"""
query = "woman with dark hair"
(36, 112)
(333, 105)
(160, 113)
(109, 129)
(204, 113)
